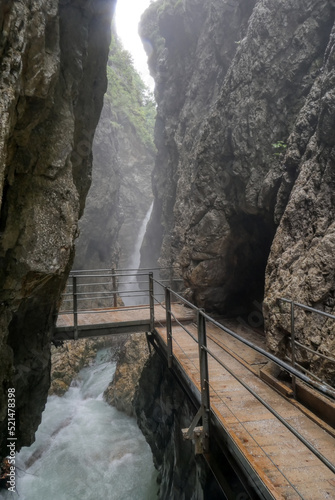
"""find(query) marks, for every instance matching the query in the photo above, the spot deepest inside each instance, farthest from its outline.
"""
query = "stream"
(86, 449)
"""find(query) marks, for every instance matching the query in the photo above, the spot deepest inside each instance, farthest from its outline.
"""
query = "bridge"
(275, 438)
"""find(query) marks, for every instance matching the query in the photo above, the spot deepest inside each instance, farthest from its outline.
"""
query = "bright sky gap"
(127, 18)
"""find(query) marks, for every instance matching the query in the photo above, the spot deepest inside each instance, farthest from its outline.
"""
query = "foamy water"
(86, 449)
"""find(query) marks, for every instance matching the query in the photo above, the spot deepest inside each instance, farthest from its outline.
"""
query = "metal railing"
(317, 382)
(95, 290)
(205, 352)
(86, 285)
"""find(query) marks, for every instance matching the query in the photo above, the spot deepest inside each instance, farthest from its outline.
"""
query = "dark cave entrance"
(251, 240)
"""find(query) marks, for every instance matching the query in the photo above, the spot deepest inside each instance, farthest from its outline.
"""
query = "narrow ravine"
(86, 449)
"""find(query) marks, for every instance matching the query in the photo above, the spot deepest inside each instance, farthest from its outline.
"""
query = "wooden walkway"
(114, 321)
(287, 468)
(284, 467)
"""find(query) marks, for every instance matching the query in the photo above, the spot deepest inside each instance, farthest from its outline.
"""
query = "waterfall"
(86, 449)
(129, 283)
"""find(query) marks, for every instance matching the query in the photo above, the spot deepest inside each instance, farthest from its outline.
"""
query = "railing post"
(171, 280)
(114, 286)
(75, 307)
(204, 378)
(293, 349)
(151, 301)
(168, 326)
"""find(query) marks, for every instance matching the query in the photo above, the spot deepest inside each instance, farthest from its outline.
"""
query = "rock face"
(162, 411)
(245, 110)
(97, 245)
(301, 263)
(131, 360)
(53, 62)
(123, 156)
(67, 361)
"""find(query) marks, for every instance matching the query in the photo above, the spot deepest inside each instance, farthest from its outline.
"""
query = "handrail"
(276, 414)
(103, 284)
(204, 351)
(265, 353)
(294, 342)
(290, 368)
(307, 308)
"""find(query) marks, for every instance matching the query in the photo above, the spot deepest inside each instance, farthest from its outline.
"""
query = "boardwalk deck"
(283, 463)
(284, 467)
(115, 321)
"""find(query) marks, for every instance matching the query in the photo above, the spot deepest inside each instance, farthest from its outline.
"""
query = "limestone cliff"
(97, 245)
(162, 412)
(123, 156)
(301, 262)
(245, 113)
(53, 63)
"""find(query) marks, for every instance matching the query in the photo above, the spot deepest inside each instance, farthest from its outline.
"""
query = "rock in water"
(131, 360)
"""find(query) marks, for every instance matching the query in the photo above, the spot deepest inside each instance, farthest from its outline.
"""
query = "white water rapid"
(86, 449)
(130, 283)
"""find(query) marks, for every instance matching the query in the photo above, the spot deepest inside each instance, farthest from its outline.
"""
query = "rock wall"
(301, 261)
(123, 156)
(162, 411)
(245, 109)
(97, 245)
(53, 58)
(131, 360)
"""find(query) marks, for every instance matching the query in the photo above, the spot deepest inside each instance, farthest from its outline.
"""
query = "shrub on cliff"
(132, 102)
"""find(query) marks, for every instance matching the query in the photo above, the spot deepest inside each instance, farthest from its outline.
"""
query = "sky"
(127, 17)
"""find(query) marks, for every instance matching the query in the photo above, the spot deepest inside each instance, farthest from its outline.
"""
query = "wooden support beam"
(87, 331)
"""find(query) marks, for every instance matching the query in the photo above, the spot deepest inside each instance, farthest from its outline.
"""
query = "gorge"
(243, 183)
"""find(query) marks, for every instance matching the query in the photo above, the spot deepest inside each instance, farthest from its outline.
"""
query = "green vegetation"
(280, 147)
(132, 103)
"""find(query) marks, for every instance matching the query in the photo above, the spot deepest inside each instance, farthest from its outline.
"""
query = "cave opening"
(250, 243)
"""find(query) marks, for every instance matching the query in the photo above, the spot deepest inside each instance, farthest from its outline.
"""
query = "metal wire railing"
(205, 352)
(315, 380)
(88, 287)
(95, 290)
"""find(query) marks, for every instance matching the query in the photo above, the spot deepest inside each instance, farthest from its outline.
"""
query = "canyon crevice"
(243, 184)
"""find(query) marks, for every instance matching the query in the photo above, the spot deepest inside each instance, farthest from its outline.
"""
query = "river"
(86, 449)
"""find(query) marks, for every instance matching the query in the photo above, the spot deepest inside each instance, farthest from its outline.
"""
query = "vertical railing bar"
(168, 326)
(114, 286)
(75, 307)
(151, 301)
(294, 387)
(171, 280)
(204, 378)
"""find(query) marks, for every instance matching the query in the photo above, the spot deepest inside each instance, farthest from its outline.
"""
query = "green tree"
(131, 100)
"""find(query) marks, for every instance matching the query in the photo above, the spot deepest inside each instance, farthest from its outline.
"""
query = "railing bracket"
(197, 434)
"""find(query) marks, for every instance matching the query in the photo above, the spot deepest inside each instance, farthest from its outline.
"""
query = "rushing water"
(130, 283)
(86, 449)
